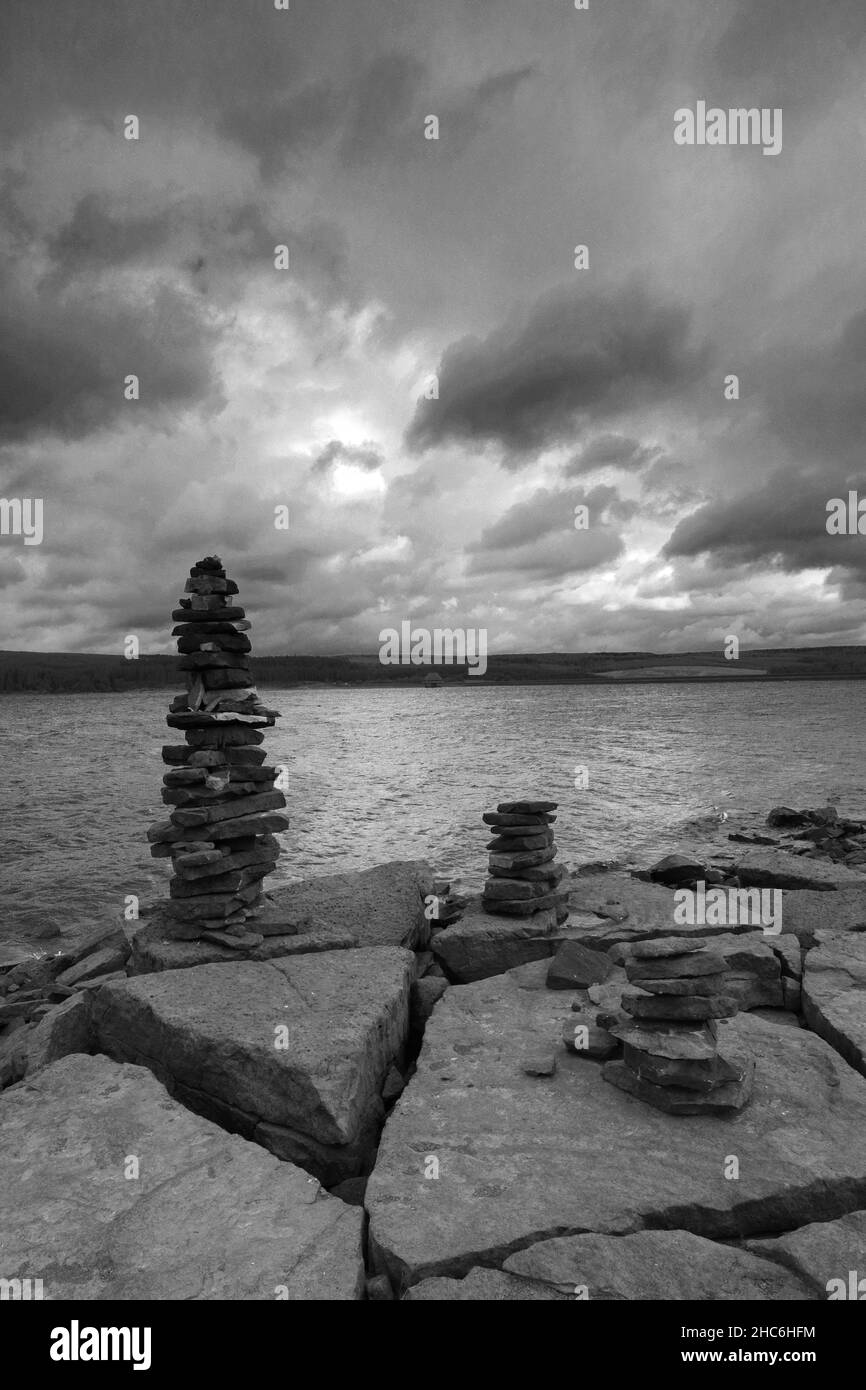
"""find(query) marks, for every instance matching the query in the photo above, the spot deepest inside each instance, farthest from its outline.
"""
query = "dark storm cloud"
(463, 119)
(63, 361)
(280, 131)
(549, 510)
(93, 239)
(815, 396)
(574, 356)
(613, 451)
(782, 523)
(217, 249)
(783, 51)
(382, 106)
(120, 56)
(396, 94)
(538, 536)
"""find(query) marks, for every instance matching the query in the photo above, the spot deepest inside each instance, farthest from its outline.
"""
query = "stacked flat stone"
(671, 1056)
(221, 834)
(523, 877)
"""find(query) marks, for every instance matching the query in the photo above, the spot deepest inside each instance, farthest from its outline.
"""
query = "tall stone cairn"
(671, 1057)
(221, 832)
(523, 877)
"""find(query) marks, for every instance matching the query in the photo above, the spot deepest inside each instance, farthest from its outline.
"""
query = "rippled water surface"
(386, 774)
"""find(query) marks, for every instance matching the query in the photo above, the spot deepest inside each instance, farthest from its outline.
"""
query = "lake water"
(406, 773)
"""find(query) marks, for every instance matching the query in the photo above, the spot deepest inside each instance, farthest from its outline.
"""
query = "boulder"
(577, 967)
(291, 1053)
(785, 818)
(658, 1265)
(675, 869)
(486, 943)
(518, 1159)
(834, 995)
(207, 1216)
(820, 1253)
(383, 906)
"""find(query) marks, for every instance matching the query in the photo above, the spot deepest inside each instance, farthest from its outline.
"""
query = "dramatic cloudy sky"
(410, 257)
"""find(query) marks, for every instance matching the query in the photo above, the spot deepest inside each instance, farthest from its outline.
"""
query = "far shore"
(74, 672)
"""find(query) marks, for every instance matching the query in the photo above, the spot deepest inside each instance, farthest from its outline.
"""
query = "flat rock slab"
(291, 1053)
(209, 1216)
(657, 1265)
(805, 913)
(771, 868)
(383, 906)
(822, 1252)
(486, 943)
(521, 1159)
(834, 995)
(152, 951)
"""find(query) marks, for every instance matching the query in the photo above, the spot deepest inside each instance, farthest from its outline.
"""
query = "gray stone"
(725, 1097)
(382, 906)
(484, 943)
(108, 960)
(379, 1289)
(540, 1064)
(482, 1286)
(768, 868)
(821, 1253)
(576, 967)
(834, 995)
(209, 1216)
(291, 1053)
(66, 1028)
(519, 1160)
(663, 947)
(675, 869)
(152, 951)
(805, 913)
(659, 1265)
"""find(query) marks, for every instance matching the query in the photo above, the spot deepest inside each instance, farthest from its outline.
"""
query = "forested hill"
(62, 671)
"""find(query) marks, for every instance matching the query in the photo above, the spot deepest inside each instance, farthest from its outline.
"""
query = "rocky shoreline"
(399, 1092)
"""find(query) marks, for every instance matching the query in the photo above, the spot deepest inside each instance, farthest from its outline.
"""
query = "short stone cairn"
(523, 877)
(671, 1056)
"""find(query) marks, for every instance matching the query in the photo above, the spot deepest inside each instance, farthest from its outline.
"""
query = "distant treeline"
(69, 672)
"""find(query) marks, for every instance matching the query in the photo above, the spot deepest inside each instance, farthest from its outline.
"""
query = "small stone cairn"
(671, 1056)
(220, 835)
(523, 877)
